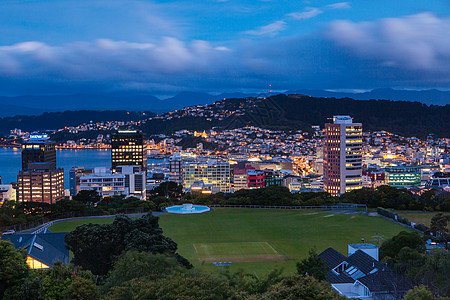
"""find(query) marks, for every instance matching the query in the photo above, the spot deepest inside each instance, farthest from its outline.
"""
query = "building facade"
(176, 168)
(403, 176)
(7, 192)
(128, 148)
(342, 164)
(40, 183)
(240, 179)
(212, 172)
(135, 181)
(38, 150)
(255, 179)
(104, 182)
(74, 177)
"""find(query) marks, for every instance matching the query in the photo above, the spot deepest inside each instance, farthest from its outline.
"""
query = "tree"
(419, 293)
(167, 189)
(301, 287)
(68, 282)
(97, 247)
(313, 266)
(88, 197)
(82, 289)
(439, 228)
(392, 247)
(13, 269)
(189, 285)
(134, 264)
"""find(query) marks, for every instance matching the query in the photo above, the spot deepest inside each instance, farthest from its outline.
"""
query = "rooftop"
(363, 246)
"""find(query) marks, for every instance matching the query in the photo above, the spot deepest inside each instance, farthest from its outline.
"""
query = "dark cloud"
(412, 51)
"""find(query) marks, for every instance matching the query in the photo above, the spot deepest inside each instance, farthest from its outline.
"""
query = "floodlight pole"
(222, 265)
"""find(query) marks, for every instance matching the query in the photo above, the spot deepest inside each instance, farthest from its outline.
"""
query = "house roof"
(45, 247)
(338, 278)
(364, 262)
(332, 258)
(386, 280)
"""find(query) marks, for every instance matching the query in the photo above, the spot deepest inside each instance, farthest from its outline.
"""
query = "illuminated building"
(255, 179)
(439, 181)
(240, 179)
(7, 192)
(103, 182)
(135, 181)
(176, 168)
(74, 177)
(403, 176)
(43, 249)
(200, 188)
(38, 150)
(40, 183)
(342, 156)
(213, 172)
(128, 149)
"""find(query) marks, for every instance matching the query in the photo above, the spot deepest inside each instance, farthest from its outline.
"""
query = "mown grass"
(291, 233)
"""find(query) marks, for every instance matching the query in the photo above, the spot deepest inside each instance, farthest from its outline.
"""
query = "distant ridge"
(430, 97)
(35, 105)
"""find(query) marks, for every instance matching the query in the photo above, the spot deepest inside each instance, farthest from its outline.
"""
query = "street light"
(222, 265)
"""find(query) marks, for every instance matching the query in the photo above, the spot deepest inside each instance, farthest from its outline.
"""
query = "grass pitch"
(236, 252)
(249, 237)
(233, 232)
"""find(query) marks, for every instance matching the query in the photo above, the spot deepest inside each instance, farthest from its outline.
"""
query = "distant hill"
(294, 112)
(430, 97)
(35, 105)
(50, 121)
(8, 110)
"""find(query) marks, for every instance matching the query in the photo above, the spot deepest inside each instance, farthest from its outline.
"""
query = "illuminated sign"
(38, 137)
(127, 131)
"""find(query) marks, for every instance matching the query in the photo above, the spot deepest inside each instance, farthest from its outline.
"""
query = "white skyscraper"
(342, 164)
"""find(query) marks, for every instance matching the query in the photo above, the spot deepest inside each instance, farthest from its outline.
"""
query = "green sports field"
(259, 240)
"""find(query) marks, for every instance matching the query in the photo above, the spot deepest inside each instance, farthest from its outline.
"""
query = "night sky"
(164, 47)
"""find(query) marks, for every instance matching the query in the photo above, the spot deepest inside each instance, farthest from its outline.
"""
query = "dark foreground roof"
(387, 280)
(44, 247)
(364, 262)
(332, 277)
(365, 269)
(332, 258)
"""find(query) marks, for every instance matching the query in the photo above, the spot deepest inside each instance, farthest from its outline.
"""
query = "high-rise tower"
(128, 149)
(38, 150)
(342, 165)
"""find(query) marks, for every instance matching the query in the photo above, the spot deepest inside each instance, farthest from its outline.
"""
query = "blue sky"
(163, 47)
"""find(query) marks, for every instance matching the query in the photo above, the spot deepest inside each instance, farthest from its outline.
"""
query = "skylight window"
(38, 246)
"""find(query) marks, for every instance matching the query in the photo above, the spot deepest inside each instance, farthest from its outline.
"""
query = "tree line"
(87, 203)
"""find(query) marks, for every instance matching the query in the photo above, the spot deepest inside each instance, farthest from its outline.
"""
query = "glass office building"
(403, 176)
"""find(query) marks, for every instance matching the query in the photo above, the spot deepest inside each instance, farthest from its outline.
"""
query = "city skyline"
(164, 47)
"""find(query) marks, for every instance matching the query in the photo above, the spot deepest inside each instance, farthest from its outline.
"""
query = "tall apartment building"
(342, 169)
(176, 168)
(128, 148)
(38, 150)
(212, 172)
(40, 183)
